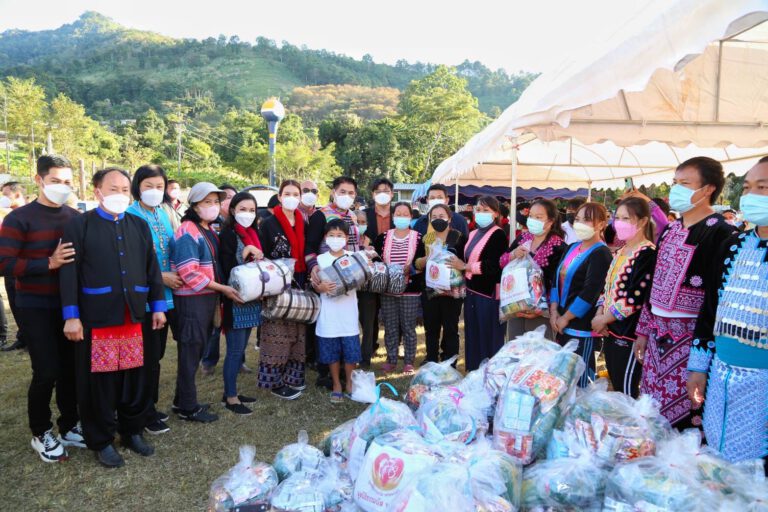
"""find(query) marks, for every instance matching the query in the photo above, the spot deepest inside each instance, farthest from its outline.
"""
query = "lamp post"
(273, 112)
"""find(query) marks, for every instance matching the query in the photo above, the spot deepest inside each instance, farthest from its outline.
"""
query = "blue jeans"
(237, 340)
(212, 348)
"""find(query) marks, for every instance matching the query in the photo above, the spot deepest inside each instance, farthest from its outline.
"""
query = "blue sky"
(511, 34)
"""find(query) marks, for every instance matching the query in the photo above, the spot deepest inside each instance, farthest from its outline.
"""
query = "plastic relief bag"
(299, 456)
(336, 444)
(363, 387)
(441, 280)
(565, 484)
(249, 482)
(521, 289)
(449, 413)
(431, 375)
(444, 486)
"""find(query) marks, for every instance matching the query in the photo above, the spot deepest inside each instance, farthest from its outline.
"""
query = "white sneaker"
(74, 437)
(49, 448)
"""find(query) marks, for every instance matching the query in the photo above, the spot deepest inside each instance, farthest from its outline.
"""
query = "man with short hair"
(31, 251)
(380, 215)
(309, 193)
(103, 295)
(729, 351)
(680, 281)
(571, 208)
(438, 194)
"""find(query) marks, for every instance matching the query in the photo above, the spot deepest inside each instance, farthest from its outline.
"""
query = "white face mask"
(152, 197)
(433, 202)
(382, 198)
(344, 202)
(116, 203)
(309, 199)
(335, 243)
(245, 219)
(174, 193)
(290, 202)
(5, 202)
(583, 231)
(57, 193)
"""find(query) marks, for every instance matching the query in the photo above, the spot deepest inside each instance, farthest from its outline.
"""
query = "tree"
(439, 115)
(27, 110)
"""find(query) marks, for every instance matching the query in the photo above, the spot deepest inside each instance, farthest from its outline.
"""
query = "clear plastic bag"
(249, 482)
(431, 375)
(381, 417)
(299, 456)
(363, 387)
(521, 289)
(449, 413)
(390, 464)
(532, 400)
(348, 272)
(565, 484)
(473, 383)
(443, 487)
(492, 472)
(299, 493)
(336, 444)
(442, 281)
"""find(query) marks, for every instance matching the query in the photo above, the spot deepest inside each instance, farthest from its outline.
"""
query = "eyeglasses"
(308, 190)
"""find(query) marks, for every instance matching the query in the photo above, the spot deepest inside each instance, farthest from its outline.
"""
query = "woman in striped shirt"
(401, 246)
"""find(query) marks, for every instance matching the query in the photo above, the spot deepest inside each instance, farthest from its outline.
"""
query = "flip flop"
(337, 398)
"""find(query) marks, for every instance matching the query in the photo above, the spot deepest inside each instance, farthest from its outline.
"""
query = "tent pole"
(589, 196)
(513, 193)
(456, 198)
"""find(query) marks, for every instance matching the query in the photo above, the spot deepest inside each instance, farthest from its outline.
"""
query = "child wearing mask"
(338, 332)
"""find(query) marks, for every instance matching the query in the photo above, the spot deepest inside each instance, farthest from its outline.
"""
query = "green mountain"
(118, 72)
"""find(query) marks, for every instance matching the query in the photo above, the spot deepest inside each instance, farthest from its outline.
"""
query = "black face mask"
(439, 225)
(570, 217)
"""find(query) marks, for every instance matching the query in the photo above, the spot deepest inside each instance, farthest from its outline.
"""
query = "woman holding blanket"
(442, 312)
(577, 285)
(483, 333)
(239, 244)
(282, 347)
(545, 243)
(401, 246)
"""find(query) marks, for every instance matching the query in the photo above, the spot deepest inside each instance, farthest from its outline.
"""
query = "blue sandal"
(337, 398)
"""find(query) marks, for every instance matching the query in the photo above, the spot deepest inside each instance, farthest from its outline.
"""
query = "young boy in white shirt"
(337, 328)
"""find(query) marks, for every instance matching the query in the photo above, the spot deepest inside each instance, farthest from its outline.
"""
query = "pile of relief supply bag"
(515, 435)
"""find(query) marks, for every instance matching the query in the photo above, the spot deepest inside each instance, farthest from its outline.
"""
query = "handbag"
(293, 305)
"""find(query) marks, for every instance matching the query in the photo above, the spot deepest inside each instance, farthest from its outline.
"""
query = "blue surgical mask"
(483, 219)
(755, 209)
(680, 198)
(402, 222)
(535, 226)
(362, 229)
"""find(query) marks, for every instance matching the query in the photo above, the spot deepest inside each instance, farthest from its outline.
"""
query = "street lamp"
(273, 112)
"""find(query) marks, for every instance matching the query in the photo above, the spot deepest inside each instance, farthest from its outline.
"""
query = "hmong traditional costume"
(681, 276)
(114, 276)
(731, 344)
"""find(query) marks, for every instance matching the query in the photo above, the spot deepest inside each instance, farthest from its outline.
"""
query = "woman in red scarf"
(239, 244)
(282, 348)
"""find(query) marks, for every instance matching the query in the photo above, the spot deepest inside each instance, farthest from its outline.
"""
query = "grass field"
(187, 459)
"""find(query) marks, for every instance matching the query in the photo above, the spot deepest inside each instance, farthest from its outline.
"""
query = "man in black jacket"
(103, 295)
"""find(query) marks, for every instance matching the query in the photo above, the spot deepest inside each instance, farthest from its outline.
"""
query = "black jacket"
(372, 231)
(633, 290)
(582, 287)
(115, 265)
(487, 282)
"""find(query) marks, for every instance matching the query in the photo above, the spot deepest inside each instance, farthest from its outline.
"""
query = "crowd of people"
(677, 306)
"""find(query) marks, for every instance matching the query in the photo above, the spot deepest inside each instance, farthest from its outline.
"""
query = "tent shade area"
(680, 79)
(469, 193)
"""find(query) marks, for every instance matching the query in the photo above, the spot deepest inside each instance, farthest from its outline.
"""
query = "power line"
(209, 140)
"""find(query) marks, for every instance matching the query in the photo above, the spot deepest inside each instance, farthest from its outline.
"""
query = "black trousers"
(441, 315)
(623, 368)
(195, 322)
(10, 290)
(154, 350)
(53, 367)
(101, 395)
(368, 308)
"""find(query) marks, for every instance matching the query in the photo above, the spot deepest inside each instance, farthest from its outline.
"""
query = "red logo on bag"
(508, 283)
(270, 267)
(344, 262)
(387, 472)
(434, 272)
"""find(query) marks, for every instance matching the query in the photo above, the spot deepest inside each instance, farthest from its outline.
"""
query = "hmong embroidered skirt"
(736, 411)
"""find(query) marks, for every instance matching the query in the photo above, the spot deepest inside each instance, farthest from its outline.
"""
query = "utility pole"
(34, 154)
(179, 131)
(7, 136)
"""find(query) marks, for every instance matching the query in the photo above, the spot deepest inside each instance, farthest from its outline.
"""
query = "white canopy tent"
(681, 79)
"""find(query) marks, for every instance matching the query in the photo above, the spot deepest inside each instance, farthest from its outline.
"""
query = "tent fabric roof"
(682, 78)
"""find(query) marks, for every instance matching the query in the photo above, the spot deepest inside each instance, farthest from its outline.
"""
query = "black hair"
(639, 209)
(415, 213)
(273, 201)
(710, 173)
(237, 199)
(445, 207)
(575, 203)
(340, 180)
(552, 214)
(381, 181)
(287, 183)
(763, 160)
(100, 175)
(172, 182)
(402, 203)
(335, 224)
(15, 186)
(191, 215)
(227, 186)
(47, 162)
(439, 187)
(504, 210)
(144, 172)
(663, 204)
